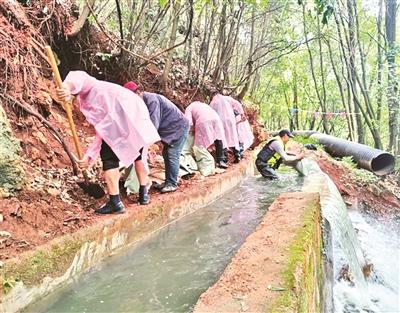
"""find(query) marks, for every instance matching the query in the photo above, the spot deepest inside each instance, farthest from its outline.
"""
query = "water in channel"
(168, 271)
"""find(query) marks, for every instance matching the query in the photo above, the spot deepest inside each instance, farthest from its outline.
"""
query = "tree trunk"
(172, 38)
(379, 62)
(392, 91)
(320, 99)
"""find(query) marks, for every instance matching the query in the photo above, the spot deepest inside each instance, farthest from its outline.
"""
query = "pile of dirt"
(380, 196)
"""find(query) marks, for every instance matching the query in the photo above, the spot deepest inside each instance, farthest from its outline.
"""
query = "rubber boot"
(219, 152)
(144, 197)
(236, 153)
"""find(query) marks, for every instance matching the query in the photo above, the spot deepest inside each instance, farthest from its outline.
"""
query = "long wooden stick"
(66, 105)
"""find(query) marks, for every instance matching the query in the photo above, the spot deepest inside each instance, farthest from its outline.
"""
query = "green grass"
(289, 301)
(307, 140)
(360, 175)
(42, 263)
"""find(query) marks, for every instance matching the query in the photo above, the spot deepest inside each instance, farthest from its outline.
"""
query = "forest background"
(321, 65)
(325, 65)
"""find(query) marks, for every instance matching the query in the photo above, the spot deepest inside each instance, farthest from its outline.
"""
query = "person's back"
(224, 109)
(201, 112)
(166, 117)
(119, 117)
(123, 131)
(207, 125)
(173, 128)
(269, 150)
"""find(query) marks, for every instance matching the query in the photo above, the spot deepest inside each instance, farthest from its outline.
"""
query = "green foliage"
(360, 175)
(348, 161)
(364, 177)
(307, 140)
(162, 2)
(8, 284)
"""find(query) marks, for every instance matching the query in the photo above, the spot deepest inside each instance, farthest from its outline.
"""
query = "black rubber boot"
(144, 197)
(236, 153)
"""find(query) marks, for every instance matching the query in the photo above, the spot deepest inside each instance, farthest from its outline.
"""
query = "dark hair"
(284, 132)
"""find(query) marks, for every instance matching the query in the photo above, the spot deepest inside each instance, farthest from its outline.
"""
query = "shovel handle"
(66, 105)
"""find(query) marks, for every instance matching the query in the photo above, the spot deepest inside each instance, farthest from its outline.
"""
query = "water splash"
(353, 296)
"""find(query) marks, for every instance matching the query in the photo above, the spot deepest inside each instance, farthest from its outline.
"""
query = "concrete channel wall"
(37, 273)
(279, 267)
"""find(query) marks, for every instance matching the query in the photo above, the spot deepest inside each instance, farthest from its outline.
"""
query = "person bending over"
(273, 154)
(173, 128)
(123, 131)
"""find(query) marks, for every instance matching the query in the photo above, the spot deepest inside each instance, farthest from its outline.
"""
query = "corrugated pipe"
(374, 160)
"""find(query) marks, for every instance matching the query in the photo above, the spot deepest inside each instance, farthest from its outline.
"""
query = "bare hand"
(300, 156)
(64, 93)
(83, 163)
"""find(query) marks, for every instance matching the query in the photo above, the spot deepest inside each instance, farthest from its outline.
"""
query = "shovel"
(92, 189)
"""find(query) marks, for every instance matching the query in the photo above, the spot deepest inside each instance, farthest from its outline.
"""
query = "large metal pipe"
(374, 160)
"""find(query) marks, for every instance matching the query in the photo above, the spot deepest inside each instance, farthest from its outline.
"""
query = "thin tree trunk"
(342, 93)
(379, 61)
(320, 99)
(392, 91)
(172, 38)
(250, 61)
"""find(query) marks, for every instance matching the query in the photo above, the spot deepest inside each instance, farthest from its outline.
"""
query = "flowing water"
(168, 271)
(355, 242)
(380, 243)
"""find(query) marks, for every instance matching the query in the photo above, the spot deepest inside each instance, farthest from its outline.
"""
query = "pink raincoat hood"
(222, 106)
(245, 133)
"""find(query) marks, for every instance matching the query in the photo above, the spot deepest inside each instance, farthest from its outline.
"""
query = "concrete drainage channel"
(169, 270)
(276, 267)
(68, 257)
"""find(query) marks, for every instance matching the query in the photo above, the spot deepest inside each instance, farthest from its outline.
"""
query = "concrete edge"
(301, 274)
(67, 257)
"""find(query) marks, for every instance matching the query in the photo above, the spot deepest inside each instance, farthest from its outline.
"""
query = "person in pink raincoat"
(245, 133)
(207, 128)
(221, 104)
(123, 132)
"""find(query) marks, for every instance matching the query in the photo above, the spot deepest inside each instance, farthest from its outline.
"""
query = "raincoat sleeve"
(154, 108)
(93, 151)
(189, 115)
(236, 105)
(278, 148)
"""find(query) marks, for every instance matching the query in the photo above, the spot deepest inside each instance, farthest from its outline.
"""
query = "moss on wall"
(303, 274)
(33, 268)
(12, 174)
